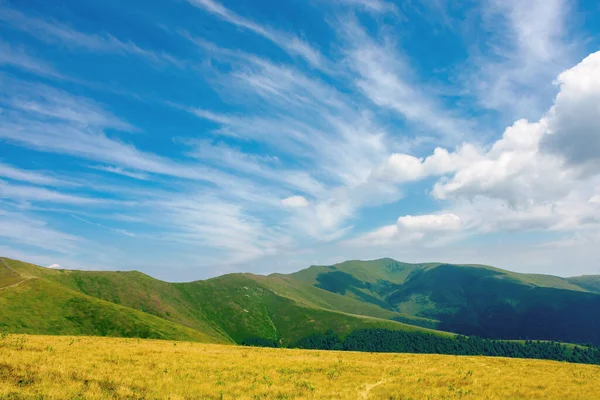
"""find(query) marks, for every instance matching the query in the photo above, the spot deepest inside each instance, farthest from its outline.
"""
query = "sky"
(193, 138)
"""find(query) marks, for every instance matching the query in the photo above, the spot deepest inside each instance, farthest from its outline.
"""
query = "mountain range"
(437, 298)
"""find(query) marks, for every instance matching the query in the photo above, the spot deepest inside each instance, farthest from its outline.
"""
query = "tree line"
(390, 341)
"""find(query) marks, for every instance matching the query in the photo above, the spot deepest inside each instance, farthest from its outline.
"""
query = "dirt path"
(6, 265)
(25, 279)
(365, 393)
(15, 284)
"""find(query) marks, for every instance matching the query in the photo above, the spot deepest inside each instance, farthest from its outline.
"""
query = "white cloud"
(121, 171)
(53, 32)
(512, 169)
(335, 143)
(52, 105)
(34, 177)
(387, 79)
(257, 166)
(290, 43)
(405, 168)
(29, 231)
(225, 229)
(16, 57)
(295, 201)
(384, 236)
(28, 193)
(430, 222)
(55, 121)
(526, 54)
(401, 168)
(55, 266)
(574, 131)
(531, 179)
(425, 229)
(374, 6)
(528, 163)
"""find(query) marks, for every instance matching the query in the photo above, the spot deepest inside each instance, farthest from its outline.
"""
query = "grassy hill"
(590, 283)
(471, 299)
(468, 299)
(229, 308)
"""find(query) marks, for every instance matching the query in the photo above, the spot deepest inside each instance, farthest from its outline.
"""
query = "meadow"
(72, 367)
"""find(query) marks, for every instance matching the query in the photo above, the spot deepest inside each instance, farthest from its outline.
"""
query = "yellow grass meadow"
(53, 367)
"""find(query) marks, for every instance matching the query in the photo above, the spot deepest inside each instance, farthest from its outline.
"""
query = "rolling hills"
(226, 309)
(467, 299)
(472, 299)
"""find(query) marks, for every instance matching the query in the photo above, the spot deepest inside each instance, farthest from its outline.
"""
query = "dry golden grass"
(51, 367)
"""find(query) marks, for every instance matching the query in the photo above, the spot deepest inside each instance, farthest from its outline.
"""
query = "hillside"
(32, 305)
(471, 299)
(588, 282)
(229, 308)
(474, 300)
(100, 368)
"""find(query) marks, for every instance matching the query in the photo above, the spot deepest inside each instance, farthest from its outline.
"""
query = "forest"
(393, 341)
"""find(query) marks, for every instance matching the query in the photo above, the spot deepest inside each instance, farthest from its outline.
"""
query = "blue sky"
(188, 139)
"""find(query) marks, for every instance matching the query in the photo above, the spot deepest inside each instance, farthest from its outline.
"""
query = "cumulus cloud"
(538, 176)
(432, 222)
(412, 228)
(540, 161)
(513, 169)
(532, 161)
(295, 201)
(400, 168)
(573, 128)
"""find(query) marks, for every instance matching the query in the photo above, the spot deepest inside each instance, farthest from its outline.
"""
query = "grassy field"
(53, 367)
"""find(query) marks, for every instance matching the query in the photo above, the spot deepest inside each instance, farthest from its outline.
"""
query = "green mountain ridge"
(226, 309)
(472, 299)
(430, 297)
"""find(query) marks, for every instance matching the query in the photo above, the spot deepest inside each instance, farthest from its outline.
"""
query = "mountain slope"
(8, 276)
(590, 283)
(312, 296)
(131, 289)
(467, 299)
(228, 308)
(472, 299)
(39, 306)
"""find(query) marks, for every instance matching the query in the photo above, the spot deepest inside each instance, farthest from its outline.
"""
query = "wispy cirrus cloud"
(293, 151)
(22, 229)
(308, 121)
(8, 171)
(288, 42)
(17, 57)
(15, 192)
(52, 31)
(120, 171)
(373, 6)
(530, 43)
(386, 77)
